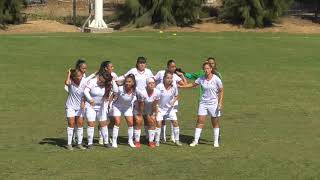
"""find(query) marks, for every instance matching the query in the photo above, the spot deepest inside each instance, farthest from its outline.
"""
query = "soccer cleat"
(90, 146)
(178, 143)
(152, 145)
(172, 139)
(79, 146)
(138, 145)
(114, 145)
(216, 144)
(163, 141)
(131, 144)
(69, 147)
(157, 143)
(101, 141)
(108, 145)
(193, 144)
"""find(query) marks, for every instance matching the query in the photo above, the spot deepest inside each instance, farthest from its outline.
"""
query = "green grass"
(270, 126)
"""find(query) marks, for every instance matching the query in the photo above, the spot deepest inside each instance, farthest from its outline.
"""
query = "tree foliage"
(10, 12)
(160, 12)
(253, 13)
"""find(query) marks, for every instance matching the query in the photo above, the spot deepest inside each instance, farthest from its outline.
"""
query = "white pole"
(98, 21)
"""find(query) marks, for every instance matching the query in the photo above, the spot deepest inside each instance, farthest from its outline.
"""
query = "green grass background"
(270, 123)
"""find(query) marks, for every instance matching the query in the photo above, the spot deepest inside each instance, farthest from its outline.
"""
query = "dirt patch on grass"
(288, 24)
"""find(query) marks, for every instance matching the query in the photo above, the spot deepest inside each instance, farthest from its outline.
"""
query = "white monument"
(98, 21)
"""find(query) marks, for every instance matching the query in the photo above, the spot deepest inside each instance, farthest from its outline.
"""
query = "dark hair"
(141, 60)
(206, 63)
(131, 76)
(215, 62)
(79, 63)
(107, 83)
(73, 74)
(165, 75)
(103, 65)
(170, 62)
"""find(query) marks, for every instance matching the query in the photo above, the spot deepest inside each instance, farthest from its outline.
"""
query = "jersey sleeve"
(197, 81)
(150, 74)
(115, 87)
(194, 76)
(157, 76)
(219, 82)
(129, 72)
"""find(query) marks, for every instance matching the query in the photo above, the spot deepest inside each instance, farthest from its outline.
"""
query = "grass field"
(270, 126)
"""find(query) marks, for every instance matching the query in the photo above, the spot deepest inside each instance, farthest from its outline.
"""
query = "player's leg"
(91, 116)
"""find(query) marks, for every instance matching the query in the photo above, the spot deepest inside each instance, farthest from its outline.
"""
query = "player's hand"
(220, 106)
(172, 103)
(82, 106)
(92, 103)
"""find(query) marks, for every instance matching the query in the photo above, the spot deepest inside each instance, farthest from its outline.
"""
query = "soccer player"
(74, 110)
(178, 78)
(211, 102)
(98, 99)
(168, 98)
(107, 66)
(141, 74)
(148, 102)
(123, 106)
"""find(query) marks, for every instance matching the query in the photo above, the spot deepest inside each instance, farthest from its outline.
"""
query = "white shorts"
(70, 112)
(212, 109)
(96, 114)
(167, 116)
(125, 111)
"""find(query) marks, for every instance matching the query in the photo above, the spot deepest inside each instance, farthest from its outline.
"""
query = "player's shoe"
(79, 146)
(131, 144)
(101, 141)
(69, 147)
(152, 145)
(216, 144)
(108, 145)
(114, 145)
(193, 144)
(178, 143)
(138, 144)
(157, 143)
(90, 146)
(172, 139)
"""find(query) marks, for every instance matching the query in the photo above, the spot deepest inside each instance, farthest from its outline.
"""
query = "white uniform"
(141, 77)
(94, 92)
(166, 111)
(83, 76)
(74, 98)
(209, 98)
(176, 79)
(159, 78)
(143, 96)
(124, 103)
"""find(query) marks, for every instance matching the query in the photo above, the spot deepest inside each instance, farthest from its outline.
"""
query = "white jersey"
(83, 76)
(210, 89)
(75, 94)
(166, 96)
(94, 92)
(159, 77)
(141, 77)
(124, 100)
(114, 76)
(143, 96)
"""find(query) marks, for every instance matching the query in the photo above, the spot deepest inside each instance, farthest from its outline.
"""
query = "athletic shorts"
(93, 114)
(167, 116)
(70, 112)
(119, 111)
(212, 109)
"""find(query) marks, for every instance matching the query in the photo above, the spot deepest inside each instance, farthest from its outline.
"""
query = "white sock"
(172, 131)
(216, 135)
(163, 132)
(146, 131)
(90, 134)
(197, 134)
(137, 134)
(115, 134)
(157, 134)
(69, 134)
(100, 133)
(130, 134)
(80, 135)
(105, 134)
(151, 135)
(176, 131)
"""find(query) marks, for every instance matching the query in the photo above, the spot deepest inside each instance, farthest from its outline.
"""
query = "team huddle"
(143, 99)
